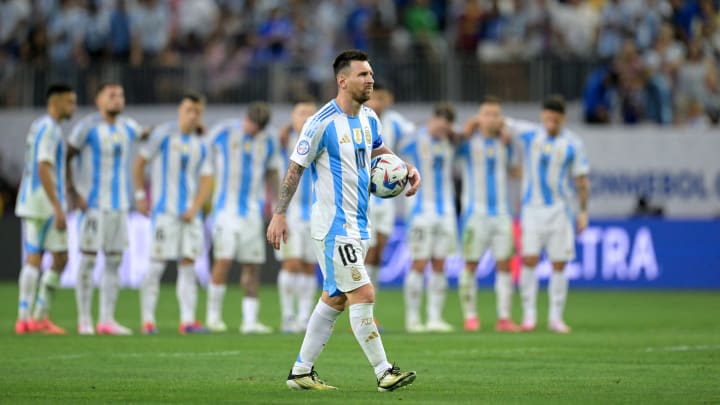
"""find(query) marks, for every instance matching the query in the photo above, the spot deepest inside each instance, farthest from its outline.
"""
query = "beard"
(114, 112)
(362, 96)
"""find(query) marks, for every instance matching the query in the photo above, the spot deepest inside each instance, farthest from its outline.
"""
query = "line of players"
(241, 159)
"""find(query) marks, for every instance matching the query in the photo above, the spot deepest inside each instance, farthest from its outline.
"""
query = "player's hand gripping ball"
(388, 176)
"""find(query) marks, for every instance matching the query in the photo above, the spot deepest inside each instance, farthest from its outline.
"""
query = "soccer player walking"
(337, 143)
(431, 220)
(41, 204)
(297, 282)
(181, 179)
(245, 157)
(485, 161)
(101, 189)
(553, 158)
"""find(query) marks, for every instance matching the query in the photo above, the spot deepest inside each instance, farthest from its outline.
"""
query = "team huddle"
(323, 211)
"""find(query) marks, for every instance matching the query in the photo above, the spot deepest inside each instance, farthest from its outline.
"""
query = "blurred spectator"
(697, 87)
(120, 36)
(542, 37)
(66, 32)
(612, 29)
(273, 35)
(358, 25)
(632, 76)
(468, 28)
(196, 21)
(13, 19)
(684, 14)
(599, 96)
(150, 27)
(97, 31)
(576, 21)
(423, 25)
(662, 62)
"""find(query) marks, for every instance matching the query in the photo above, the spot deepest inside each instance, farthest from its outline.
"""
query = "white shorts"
(103, 230)
(42, 235)
(482, 232)
(550, 228)
(382, 218)
(432, 237)
(239, 238)
(299, 244)
(174, 239)
(342, 262)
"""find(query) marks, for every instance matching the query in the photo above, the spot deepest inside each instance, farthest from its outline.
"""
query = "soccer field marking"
(127, 355)
(683, 348)
(524, 350)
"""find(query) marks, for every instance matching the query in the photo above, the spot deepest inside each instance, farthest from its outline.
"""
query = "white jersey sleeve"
(309, 144)
(150, 148)
(78, 135)
(580, 166)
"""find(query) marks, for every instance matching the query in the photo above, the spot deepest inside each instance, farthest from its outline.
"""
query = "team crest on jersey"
(355, 274)
(357, 134)
(247, 146)
(116, 138)
(303, 147)
(548, 148)
(368, 138)
(490, 152)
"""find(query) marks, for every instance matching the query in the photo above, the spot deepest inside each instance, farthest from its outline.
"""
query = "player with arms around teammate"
(553, 158)
(382, 210)
(181, 180)
(245, 157)
(103, 142)
(337, 144)
(485, 161)
(41, 204)
(297, 281)
(430, 220)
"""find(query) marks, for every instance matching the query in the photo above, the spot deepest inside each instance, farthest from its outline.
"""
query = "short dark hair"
(490, 99)
(58, 88)
(194, 97)
(105, 85)
(259, 113)
(445, 110)
(345, 57)
(554, 102)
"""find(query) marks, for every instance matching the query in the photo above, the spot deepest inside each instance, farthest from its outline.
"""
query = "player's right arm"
(76, 141)
(146, 152)
(46, 164)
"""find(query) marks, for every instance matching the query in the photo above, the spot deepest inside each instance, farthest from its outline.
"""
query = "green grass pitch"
(634, 347)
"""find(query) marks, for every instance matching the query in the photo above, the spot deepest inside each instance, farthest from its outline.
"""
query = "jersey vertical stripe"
(484, 164)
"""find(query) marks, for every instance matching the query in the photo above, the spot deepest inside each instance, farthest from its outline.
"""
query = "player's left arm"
(203, 193)
(580, 170)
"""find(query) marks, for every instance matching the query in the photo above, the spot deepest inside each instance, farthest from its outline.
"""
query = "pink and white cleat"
(149, 328)
(86, 329)
(45, 326)
(191, 328)
(22, 327)
(506, 325)
(112, 328)
(472, 324)
(559, 327)
(527, 327)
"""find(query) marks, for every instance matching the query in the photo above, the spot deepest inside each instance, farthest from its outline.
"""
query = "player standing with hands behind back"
(337, 143)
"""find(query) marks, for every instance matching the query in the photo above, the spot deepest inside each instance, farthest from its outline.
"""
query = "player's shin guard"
(150, 289)
(320, 327)
(436, 291)
(412, 289)
(186, 291)
(366, 333)
(467, 288)
(557, 292)
(49, 282)
(528, 292)
(84, 289)
(27, 285)
(109, 286)
(503, 294)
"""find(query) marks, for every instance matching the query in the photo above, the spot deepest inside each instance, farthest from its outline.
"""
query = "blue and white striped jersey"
(177, 161)
(483, 163)
(103, 164)
(44, 143)
(337, 149)
(240, 163)
(433, 158)
(549, 165)
(301, 203)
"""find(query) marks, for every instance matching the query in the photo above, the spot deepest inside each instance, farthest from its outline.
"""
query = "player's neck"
(53, 113)
(348, 105)
(109, 118)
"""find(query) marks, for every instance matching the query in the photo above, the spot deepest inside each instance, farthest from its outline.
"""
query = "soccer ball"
(388, 176)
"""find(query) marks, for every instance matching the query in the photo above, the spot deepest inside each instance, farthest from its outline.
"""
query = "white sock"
(372, 272)
(503, 293)
(250, 309)
(287, 289)
(467, 288)
(216, 294)
(84, 289)
(528, 292)
(49, 282)
(320, 327)
(557, 290)
(150, 289)
(436, 291)
(306, 297)
(366, 333)
(109, 285)
(186, 292)
(27, 285)
(412, 289)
